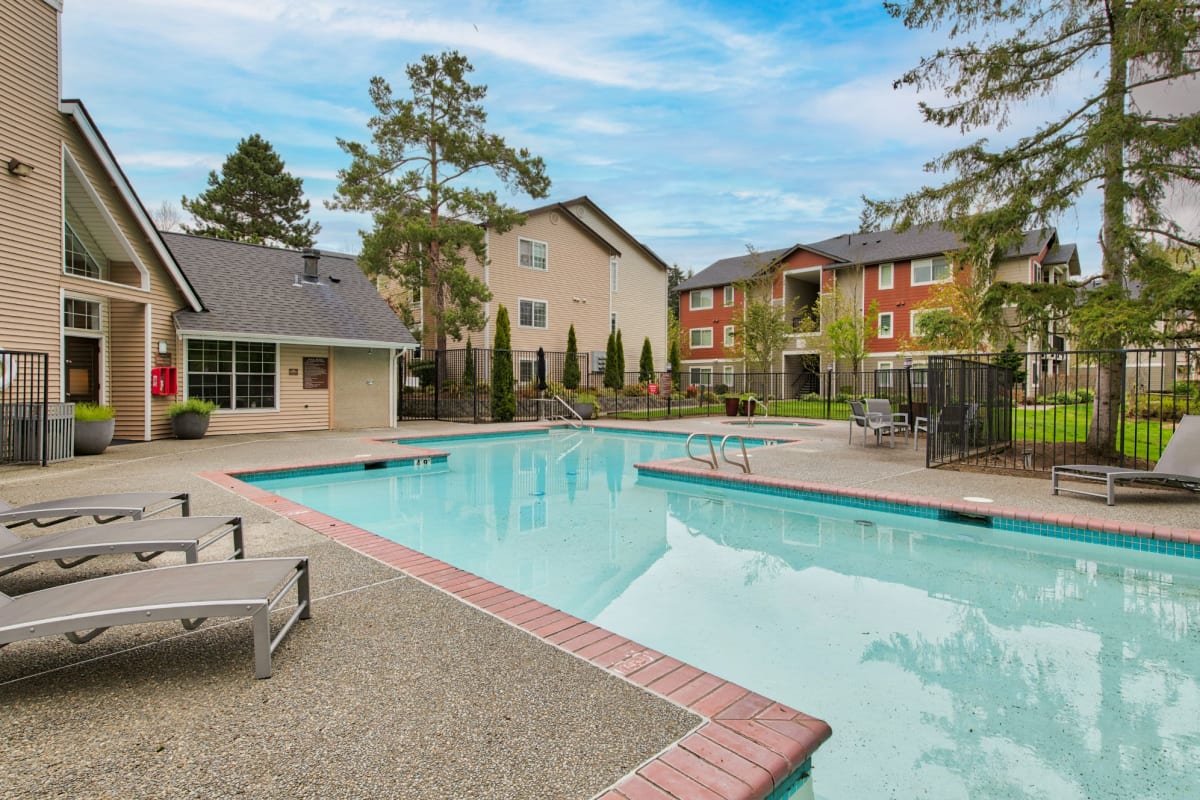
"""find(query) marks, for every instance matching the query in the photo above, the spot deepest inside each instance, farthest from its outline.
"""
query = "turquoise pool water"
(952, 660)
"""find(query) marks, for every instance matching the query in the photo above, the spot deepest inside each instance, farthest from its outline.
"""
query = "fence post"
(829, 393)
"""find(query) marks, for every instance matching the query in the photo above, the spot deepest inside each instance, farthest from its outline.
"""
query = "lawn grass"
(1070, 422)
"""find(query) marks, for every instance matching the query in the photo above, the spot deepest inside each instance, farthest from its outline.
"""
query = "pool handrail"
(745, 462)
(711, 462)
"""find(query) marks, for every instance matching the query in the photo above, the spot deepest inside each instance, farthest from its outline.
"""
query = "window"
(531, 313)
(612, 322)
(883, 375)
(914, 320)
(920, 375)
(81, 315)
(612, 273)
(727, 375)
(930, 270)
(527, 371)
(701, 337)
(885, 275)
(700, 299)
(235, 375)
(729, 295)
(885, 325)
(77, 260)
(730, 335)
(700, 376)
(531, 253)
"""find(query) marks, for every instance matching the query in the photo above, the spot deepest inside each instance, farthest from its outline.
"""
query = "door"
(81, 369)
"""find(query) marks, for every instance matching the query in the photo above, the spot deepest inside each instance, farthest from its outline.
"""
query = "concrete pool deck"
(394, 688)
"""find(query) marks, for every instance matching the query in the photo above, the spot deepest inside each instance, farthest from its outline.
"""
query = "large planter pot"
(189, 425)
(93, 437)
(584, 410)
(731, 406)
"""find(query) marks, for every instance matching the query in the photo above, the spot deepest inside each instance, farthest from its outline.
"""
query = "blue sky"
(700, 127)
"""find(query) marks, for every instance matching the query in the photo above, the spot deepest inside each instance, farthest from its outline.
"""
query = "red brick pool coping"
(747, 746)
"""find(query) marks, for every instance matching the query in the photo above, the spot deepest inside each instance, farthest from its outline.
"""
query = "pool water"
(952, 660)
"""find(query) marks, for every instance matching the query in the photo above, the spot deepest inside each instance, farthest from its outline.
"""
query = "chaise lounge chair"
(102, 507)
(146, 539)
(1177, 467)
(190, 593)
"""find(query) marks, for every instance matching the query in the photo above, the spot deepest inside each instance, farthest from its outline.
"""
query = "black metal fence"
(26, 424)
(1018, 411)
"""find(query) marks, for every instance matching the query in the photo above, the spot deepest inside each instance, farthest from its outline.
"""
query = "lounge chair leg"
(262, 642)
(1112, 491)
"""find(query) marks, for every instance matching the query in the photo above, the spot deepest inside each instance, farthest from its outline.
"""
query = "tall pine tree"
(253, 200)
(411, 180)
(646, 364)
(570, 373)
(619, 349)
(504, 402)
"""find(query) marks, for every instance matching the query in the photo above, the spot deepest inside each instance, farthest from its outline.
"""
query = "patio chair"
(883, 407)
(874, 422)
(190, 593)
(101, 507)
(1178, 467)
(146, 539)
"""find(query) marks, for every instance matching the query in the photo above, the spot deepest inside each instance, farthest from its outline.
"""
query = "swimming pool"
(952, 660)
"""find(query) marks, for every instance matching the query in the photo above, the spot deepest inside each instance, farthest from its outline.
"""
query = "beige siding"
(361, 385)
(577, 267)
(640, 301)
(299, 409)
(1014, 271)
(126, 351)
(30, 207)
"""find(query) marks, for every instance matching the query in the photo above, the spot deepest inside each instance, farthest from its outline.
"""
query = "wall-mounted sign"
(316, 372)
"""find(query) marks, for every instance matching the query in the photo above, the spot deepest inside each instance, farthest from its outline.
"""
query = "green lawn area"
(1069, 423)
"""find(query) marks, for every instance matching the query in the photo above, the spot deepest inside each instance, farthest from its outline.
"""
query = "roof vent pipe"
(311, 258)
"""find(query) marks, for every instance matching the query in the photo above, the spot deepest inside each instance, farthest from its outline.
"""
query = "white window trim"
(728, 374)
(532, 370)
(916, 314)
(185, 372)
(730, 337)
(703, 372)
(101, 312)
(533, 313)
(533, 254)
(891, 332)
(885, 379)
(692, 338)
(891, 273)
(614, 267)
(692, 299)
(730, 297)
(912, 276)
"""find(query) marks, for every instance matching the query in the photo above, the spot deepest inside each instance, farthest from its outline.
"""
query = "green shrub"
(93, 412)
(1188, 389)
(1162, 406)
(633, 390)
(193, 405)
(811, 397)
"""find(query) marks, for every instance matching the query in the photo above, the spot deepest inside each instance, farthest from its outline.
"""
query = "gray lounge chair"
(870, 421)
(102, 507)
(1177, 467)
(883, 408)
(190, 593)
(146, 539)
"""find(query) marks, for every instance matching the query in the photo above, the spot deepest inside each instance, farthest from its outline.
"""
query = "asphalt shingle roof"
(729, 270)
(251, 289)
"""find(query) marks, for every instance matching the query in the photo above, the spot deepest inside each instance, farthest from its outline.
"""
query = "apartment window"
(920, 375)
(730, 335)
(699, 299)
(914, 320)
(729, 295)
(77, 259)
(532, 253)
(612, 273)
(234, 375)
(885, 325)
(885, 275)
(531, 313)
(727, 375)
(930, 270)
(527, 371)
(700, 376)
(701, 337)
(883, 375)
(81, 315)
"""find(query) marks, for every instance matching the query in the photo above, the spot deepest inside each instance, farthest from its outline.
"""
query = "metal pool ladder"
(711, 462)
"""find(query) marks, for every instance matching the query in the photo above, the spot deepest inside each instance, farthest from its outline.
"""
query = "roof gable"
(595, 209)
(260, 292)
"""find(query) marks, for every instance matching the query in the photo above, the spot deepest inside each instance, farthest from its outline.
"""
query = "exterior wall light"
(19, 168)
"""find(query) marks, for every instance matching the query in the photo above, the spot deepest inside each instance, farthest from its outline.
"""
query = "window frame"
(533, 247)
(87, 301)
(697, 375)
(694, 293)
(692, 338)
(533, 313)
(521, 370)
(931, 262)
(729, 336)
(728, 374)
(614, 266)
(233, 373)
(730, 296)
(891, 326)
(883, 369)
(69, 233)
(891, 276)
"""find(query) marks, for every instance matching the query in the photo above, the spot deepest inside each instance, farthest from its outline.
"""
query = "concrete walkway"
(394, 688)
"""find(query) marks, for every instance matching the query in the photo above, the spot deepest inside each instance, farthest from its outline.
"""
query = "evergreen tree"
(425, 220)
(1011, 359)
(570, 372)
(1111, 135)
(468, 378)
(253, 200)
(646, 364)
(620, 351)
(504, 402)
(676, 364)
(611, 381)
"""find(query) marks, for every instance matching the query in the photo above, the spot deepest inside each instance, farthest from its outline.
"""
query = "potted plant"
(94, 424)
(189, 419)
